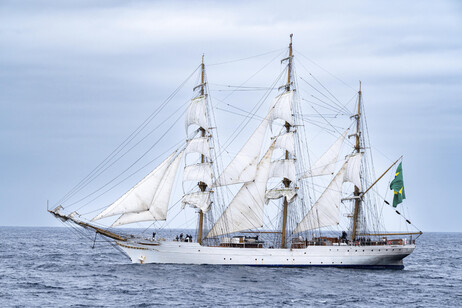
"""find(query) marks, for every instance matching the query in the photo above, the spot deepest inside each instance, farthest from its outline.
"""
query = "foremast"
(286, 182)
(357, 197)
(202, 172)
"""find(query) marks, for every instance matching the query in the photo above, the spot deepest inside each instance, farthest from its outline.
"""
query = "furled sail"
(199, 145)
(197, 113)
(201, 172)
(290, 193)
(326, 163)
(281, 108)
(200, 200)
(140, 197)
(246, 210)
(286, 142)
(283, 168)
(244, 165)
(325, 212)
(159, 206)
(353, 170)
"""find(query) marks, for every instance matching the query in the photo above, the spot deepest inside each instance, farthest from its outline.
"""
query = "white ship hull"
(383, 256)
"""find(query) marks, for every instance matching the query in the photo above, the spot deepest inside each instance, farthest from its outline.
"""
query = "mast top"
(289, 66)
(359, 85)
(202, 59)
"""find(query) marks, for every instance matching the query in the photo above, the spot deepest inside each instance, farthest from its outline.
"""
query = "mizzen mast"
(357, 198)
(287, 125)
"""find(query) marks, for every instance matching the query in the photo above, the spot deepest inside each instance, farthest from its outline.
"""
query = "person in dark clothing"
(343, 239)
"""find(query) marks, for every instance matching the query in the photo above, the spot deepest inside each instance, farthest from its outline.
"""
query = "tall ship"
(270, 204)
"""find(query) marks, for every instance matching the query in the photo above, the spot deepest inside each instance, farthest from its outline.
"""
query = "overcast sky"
(76, 77)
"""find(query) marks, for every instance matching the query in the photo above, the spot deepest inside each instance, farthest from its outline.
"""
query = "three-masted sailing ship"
(270, 169)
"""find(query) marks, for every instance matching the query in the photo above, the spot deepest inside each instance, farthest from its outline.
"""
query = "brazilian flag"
(397, 185)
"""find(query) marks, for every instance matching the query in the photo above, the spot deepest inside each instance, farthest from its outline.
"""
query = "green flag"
(397, 185)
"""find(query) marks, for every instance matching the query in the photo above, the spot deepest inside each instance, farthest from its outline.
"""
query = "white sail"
(282, 108)
(199, 172)
(290, 193)
(286, 142)
(140, 197)
(197, 113)
(246, 210)
(135, 217)
(244, 165)
(283, 168)
(353, 169)
(325, 212)
(200, 200)
(159, 206)
(326, 163)
(199, 145)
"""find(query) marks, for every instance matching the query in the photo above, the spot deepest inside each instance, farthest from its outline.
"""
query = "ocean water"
(53, 267)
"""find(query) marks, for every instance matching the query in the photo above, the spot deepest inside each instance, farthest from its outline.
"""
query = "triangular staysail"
(325, 165)
(244, 165)
(246, 210)
(326, 210)
(140, 197)
(159, 207)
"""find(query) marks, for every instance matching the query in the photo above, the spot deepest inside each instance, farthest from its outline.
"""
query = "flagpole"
(380, 177)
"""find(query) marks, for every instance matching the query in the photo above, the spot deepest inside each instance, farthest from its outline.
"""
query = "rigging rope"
(128, 168)
(246, 58)
(91, 176)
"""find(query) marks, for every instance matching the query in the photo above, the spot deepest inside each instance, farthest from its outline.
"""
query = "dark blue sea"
(53, 267)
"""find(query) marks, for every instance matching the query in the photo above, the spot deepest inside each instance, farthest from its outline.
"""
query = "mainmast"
(357, 199)
(202, 185)
(286, 181)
